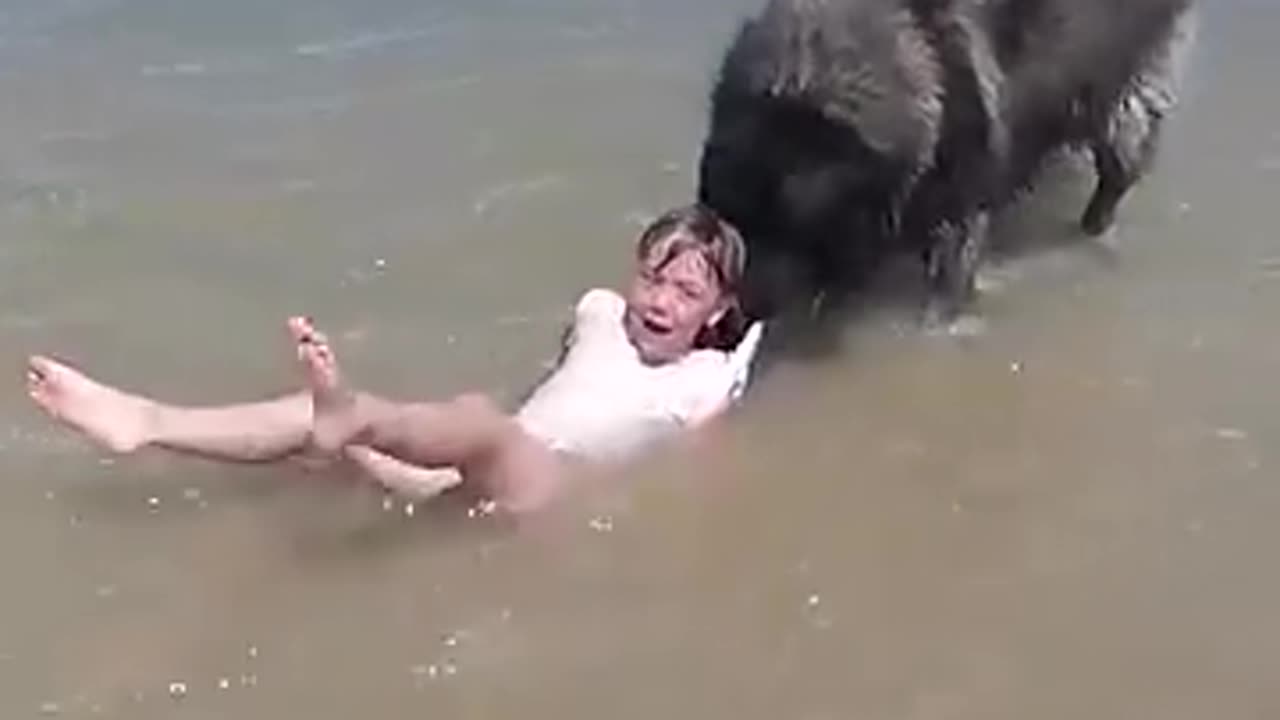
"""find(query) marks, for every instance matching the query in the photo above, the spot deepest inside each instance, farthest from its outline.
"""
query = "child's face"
(668, 306)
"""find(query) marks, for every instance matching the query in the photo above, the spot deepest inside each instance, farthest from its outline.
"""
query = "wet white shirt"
(604, 402)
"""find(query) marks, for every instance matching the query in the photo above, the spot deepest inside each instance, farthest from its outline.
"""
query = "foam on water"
(369, 41)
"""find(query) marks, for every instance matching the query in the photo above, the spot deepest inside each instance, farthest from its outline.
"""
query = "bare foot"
(418, 483)
(114, 420)
(335, 422)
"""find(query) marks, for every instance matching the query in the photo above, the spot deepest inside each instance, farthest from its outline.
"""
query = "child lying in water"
(669, 355)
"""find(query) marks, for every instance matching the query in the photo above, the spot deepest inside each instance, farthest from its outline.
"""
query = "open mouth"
(655, 327)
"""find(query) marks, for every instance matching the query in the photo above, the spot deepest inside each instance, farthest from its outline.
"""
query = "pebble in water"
(602, 524)
(224, 683)
(177, 690)
(50, 708)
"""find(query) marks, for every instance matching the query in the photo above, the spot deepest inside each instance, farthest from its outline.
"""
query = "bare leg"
(122, 422)
(469, 433)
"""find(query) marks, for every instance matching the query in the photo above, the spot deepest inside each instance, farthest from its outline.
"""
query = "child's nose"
(666, 300)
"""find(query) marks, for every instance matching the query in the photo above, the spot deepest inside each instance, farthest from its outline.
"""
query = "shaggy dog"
(843, 131)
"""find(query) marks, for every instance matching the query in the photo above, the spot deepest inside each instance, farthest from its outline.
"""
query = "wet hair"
(698, 228)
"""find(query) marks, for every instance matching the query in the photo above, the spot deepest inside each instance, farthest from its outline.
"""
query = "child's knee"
(477, 405)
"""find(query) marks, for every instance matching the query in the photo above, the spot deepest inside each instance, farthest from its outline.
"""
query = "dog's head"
(802, 191)
(819, 128)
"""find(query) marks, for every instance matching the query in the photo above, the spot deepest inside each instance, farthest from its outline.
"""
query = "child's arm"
(587, 306)
(729, 390)
(566, 339)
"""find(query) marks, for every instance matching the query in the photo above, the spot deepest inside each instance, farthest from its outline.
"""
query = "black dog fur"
(843, 131)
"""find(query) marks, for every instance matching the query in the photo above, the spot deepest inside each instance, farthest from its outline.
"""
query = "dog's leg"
(1127, 135)
(1122, 154)
(955, 252)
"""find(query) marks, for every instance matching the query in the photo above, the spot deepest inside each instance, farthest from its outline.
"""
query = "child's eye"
(691, 293)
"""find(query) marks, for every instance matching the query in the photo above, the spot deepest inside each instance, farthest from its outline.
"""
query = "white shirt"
(604, 402)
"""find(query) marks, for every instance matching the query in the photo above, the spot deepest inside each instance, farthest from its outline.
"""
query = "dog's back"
(841, 129)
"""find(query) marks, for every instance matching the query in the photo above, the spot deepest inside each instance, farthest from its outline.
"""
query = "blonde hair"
(700, 229)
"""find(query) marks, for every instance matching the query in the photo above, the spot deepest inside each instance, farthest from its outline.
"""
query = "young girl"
(669, 354)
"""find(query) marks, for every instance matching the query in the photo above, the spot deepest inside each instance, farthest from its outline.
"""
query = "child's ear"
(717, 315)
(723, 307)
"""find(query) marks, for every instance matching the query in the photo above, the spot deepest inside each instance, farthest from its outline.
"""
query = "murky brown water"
(1069, 516)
